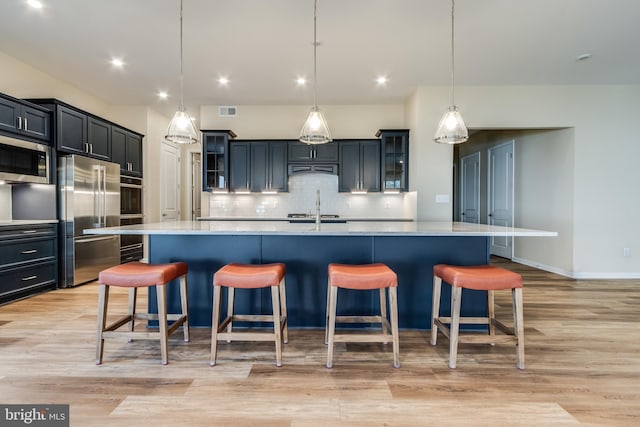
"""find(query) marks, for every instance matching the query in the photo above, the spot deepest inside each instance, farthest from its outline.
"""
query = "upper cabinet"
(258, 166)
(215, 159)
(394, 144)
(25, 119)
(359, 166)
(126, 149)
(78, 132)
(321, 153)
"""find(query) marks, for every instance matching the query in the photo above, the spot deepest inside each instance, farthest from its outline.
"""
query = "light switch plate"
(442, 198)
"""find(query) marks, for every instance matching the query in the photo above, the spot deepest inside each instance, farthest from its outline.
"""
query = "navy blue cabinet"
(126, 149)
(99, 138)
(321, 153)
(258, 166)
(215, 159)
(394, 146)
(24, 119)
(359, 166)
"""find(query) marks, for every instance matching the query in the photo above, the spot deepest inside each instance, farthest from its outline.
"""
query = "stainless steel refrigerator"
(89, 193)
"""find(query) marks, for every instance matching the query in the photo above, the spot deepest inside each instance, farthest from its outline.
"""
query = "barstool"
(363, 277)
(249, 276)
(134, 275)
(485, 278)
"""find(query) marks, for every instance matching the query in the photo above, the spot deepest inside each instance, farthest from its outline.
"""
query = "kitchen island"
(411, 249)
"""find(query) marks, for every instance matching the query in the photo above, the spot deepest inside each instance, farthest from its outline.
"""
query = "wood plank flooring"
(582, 368)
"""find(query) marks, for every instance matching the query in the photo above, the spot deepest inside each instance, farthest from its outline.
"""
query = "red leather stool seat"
(249, 275)
(479, 277)
(138, 274)
(365, 276)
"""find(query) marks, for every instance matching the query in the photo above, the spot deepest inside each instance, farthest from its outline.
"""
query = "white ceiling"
(263, 45)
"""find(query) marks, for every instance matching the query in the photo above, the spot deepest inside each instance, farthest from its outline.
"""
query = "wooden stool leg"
(103, 301)
(331, 325)
(456, 297)
(184, 300)
(328, 311)
(133, 294)
(435, 308)
(283, 312)
(491, 314)
(518, 327)
(230, 301)
(393, 306)
(215, 321)
(275, 303)
(161, 292)
(383, 309)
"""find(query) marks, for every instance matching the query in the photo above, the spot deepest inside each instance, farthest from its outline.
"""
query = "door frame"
(163, 190)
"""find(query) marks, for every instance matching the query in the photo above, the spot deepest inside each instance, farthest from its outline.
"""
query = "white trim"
(574, 275)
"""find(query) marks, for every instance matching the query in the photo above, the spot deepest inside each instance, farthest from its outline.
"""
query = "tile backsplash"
(5, 203)
(301, 198)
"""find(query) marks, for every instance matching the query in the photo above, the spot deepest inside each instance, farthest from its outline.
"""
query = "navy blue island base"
(306, 257)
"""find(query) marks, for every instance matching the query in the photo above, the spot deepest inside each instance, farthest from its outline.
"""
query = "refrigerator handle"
(104, 195)
(95, 171)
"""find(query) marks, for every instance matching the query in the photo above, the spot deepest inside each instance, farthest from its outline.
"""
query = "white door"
(169, 182)
(196, 185)
(501, 196)
(470, 188)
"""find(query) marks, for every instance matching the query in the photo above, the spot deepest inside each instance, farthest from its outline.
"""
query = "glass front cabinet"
(215, 159)
(394, 145)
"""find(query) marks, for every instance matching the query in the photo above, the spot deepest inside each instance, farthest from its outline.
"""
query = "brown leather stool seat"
(485, 278)
(249, 276)
(134, 275)
(363, 277)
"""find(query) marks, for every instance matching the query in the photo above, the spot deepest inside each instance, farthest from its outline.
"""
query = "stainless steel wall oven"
(131, 247)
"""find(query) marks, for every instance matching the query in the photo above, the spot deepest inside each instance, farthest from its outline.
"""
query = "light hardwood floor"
(582, 368)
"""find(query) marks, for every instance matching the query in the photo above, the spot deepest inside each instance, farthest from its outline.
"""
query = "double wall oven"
(131, 247)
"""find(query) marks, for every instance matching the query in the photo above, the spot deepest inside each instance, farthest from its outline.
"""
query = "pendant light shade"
(181, 128)
(451, 129)
(315, 129)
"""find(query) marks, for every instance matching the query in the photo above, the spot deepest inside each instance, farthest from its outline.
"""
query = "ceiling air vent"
(227, 111)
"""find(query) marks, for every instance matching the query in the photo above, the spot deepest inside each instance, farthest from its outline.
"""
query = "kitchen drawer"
(16, 252)
(133, 253)
(28, 231)
(27, 279)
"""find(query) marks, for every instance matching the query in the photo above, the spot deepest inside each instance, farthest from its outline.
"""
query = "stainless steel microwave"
(23, 161)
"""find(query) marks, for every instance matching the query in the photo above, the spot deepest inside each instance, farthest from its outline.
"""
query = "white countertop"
(28, 222)
(310, 218)
(420, 228)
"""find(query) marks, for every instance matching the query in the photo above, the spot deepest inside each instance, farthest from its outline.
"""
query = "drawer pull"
(29, 231)
(30, 251)
(26, 279)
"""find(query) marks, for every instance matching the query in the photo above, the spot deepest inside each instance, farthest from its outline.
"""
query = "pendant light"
(451, 129)
(315, 129)
(181, 128)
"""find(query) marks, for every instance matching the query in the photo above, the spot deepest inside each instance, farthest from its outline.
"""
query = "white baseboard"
(573, 274)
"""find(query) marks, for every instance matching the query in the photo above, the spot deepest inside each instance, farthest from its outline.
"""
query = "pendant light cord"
(181, 77)
(452, 54)
(315, 48)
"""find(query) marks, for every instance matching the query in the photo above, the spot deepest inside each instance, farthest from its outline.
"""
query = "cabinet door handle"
(26, 126)
(29, 231)
(19, 122)
(26, 279)
(30, 251)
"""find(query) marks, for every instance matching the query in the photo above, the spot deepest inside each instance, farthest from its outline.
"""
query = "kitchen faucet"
(318, 210)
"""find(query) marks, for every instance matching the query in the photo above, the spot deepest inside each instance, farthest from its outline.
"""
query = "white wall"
(607, 147)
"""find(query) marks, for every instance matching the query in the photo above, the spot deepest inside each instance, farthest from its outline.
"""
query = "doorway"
(500, 195)
(470, 188)
(195, 185)
(169, 182)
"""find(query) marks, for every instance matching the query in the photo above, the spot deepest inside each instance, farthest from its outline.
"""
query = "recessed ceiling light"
(35, 4)
(163, 95)
(117, 62)
(301, 81)
(583, 57)
(223, 81)
(381, 80)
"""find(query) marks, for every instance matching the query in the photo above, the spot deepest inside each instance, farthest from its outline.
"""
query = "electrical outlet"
(626, 252)
(387, 205)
